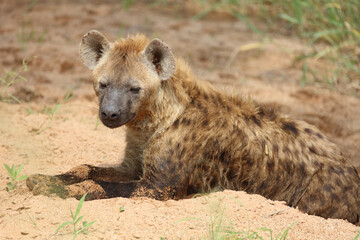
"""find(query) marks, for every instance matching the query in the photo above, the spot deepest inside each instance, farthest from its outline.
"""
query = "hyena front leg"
(50, 185)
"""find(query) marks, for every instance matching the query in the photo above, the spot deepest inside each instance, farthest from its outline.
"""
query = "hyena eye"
(135, 89)
(103, 85)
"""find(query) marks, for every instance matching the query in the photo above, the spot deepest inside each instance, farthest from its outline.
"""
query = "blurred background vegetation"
(333, 25)
(330, 27)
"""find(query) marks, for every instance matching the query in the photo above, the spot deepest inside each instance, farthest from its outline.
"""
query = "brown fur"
(188, 138)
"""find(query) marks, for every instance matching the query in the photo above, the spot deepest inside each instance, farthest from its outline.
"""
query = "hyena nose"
(110, 112)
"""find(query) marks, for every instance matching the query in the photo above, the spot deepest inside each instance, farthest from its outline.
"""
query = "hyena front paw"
(55, 186)
(47, 185)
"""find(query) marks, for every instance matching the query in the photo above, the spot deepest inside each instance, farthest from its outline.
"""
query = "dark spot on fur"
(308, 131)
(245, 184)
(263, 186)
(182, 152)
(176, 123)
(186, 121)
(199, 105)
(178, 146)
(171, 152)
(338, 182)
(270, 166)
(290, 127)
(228, 108)
(296, 152)
(275, 148)
(337, 170)
(335, 198)
(261, 112)
(312, 197)
(224, 124)
(249, 161)
(255, 120)
(332, 211)
(303, 208)
(172, 169)
(223, 157)
(328, 188)
(214, 182)
(206, 97)
(231, 174)
(321, 180)
(124, 56)
(286, 149)
(288, 166)
(319, 135)
(313, 150)
(205, 110)
(302, 169)
(220, 101)
(316, 164)
(348, 188)
(214, 100)
(205, 122)
(193, 136)
(217, 122)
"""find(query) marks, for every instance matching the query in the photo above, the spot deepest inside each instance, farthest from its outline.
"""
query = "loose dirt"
(53, 143)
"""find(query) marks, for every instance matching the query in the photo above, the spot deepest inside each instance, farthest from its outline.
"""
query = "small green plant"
(335, 24)
(51, 111)
(76, 219)
(122, 209)
(14, 176)
(222, 227)
(27, 34)
(10, 78)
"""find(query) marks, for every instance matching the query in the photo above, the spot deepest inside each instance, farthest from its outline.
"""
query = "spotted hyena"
(185, 137)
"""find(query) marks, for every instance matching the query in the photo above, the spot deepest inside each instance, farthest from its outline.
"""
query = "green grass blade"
(327, 32)
(78, 220)
(289, 19)
(13, 171)
(86, 225)
(22, 178)
(81, 202)
(8, 168)
(55, 108)
(68, 96)
(206, 11)
(284, 235)
(62, 225)
(19, 169)
(15, 99)
(248, 23)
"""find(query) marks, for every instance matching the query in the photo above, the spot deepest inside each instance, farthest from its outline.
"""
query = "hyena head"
(127, 74)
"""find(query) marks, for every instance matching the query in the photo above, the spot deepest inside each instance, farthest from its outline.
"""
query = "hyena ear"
(92, 47)
(160, 58)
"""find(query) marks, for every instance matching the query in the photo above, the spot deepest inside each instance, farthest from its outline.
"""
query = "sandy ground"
(52, 144)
